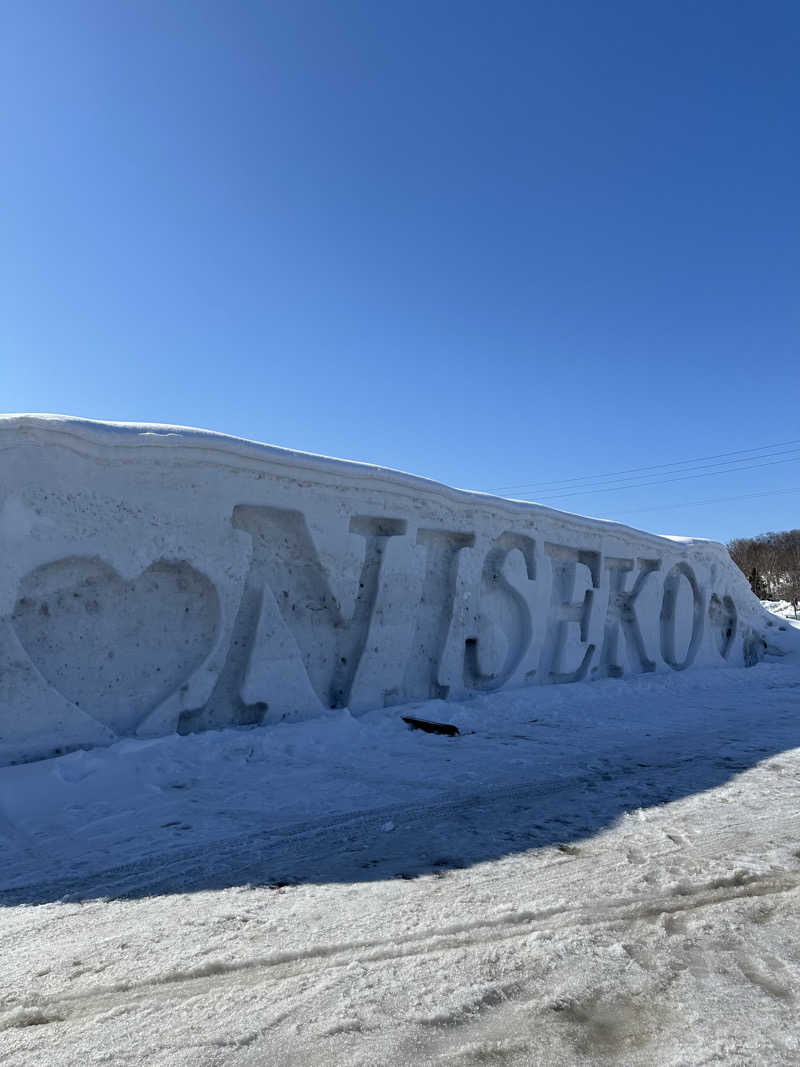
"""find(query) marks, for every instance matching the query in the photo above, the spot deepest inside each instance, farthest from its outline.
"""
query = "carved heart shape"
(117, 649)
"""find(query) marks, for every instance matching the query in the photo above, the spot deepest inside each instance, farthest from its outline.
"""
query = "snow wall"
(159, 578)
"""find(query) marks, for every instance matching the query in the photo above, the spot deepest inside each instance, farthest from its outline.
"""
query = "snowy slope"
(587, 874)
(783, 609)
(159, 579)
(596, 874)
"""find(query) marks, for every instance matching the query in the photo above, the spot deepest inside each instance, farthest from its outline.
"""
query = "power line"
(666, 481)
(687, 471)
(715, 500)
(635, 470)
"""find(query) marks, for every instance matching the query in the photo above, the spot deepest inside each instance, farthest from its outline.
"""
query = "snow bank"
(782, 608)
(160, 578)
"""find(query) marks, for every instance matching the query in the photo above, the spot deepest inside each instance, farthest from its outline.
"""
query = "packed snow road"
(604, 873)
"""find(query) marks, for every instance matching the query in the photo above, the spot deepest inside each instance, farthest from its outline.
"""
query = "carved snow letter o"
(669, 620)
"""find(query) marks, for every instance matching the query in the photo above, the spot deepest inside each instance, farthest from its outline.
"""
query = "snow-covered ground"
(159, 579)
(783, 609)
(599, 873)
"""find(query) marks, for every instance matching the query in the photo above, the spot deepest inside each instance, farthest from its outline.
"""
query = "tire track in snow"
(194, 981)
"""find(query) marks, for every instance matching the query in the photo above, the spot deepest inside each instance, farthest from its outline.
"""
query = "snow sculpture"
(158, 579)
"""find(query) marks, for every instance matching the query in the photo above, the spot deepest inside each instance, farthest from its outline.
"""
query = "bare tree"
(771, 564)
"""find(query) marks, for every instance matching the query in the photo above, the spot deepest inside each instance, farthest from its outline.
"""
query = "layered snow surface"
(593, 874)
(158, 579)
(250, 858)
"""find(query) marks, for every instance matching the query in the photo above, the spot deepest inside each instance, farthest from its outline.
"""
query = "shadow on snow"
(651, 762)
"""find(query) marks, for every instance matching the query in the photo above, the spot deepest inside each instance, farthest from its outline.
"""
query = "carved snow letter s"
(508, 603)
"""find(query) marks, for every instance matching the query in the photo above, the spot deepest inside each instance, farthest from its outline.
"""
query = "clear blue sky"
(499, 244)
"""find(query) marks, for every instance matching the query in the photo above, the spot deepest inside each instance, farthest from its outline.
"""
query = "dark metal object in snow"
(431, 727)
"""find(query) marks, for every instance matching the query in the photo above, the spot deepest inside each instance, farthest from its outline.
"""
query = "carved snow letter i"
(285, 558)
(622, 612)
(564, 611)
(434, 614)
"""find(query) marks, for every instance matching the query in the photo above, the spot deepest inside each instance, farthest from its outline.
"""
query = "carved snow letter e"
(564, 611)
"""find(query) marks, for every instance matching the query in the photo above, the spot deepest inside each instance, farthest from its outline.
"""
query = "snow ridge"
(163, 579)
